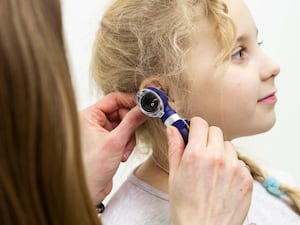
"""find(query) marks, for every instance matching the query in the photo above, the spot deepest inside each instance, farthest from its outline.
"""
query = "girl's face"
(239, 98)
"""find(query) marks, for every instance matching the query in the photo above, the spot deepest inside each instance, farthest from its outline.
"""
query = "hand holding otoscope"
(186, 173)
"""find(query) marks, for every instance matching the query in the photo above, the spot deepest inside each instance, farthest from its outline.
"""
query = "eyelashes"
(241, 52)
(260, 43)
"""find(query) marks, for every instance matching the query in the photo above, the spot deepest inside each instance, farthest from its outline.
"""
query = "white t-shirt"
(138, 203)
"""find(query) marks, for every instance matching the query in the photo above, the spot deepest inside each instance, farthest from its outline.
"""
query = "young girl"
(205, 55)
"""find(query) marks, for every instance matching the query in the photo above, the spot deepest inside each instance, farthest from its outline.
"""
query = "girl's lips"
(270, 99)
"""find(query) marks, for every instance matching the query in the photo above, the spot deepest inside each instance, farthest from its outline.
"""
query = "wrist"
(98, 197)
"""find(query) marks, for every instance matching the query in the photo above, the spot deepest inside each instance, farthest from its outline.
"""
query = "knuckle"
(248, 183)
(193, 158)
(235, 168)
(217, 161)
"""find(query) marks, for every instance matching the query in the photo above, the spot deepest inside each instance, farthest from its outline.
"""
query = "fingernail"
(126, 155)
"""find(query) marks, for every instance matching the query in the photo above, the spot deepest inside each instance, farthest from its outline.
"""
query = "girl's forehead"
(240, 14)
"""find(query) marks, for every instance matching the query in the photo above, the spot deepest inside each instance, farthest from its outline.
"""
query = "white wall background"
(279, 27)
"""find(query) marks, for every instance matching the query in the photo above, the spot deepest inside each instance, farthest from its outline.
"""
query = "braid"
(294, 196)
(258, 174)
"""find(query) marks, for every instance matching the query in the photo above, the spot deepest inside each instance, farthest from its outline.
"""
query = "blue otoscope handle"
(182, 127)
(170, 117)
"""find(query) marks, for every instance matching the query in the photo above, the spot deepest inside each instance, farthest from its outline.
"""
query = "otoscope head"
(152, 101)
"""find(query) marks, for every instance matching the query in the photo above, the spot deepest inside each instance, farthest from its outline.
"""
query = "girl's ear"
(174, 89)
(157, 81)
(162, 83)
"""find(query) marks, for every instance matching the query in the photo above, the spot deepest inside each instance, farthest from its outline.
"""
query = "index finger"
(198, 133)
(115, 101)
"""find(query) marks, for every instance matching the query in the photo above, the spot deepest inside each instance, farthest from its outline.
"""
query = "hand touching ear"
(108, 136)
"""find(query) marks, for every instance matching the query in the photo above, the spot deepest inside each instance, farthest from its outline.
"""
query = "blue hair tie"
(272, 186)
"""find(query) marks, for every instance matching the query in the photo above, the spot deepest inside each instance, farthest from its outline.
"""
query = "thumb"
(176, 149)
(131, 121)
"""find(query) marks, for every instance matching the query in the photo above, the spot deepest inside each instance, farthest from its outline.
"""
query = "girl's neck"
(153, 174)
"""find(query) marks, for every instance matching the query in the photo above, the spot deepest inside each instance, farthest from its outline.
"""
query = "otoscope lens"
(149, 102)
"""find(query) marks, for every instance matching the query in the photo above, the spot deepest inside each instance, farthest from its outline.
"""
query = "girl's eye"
(239, 54)
(260, 43)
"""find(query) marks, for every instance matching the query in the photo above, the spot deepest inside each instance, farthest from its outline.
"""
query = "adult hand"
(108, 137)
(207, 183)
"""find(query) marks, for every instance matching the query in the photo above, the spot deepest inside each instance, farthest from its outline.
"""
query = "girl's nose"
(269, 68)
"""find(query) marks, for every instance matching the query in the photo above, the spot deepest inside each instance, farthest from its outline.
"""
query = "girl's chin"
(256, 131)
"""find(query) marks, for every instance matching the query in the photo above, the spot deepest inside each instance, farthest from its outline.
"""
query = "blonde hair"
(41, 172)
(142, 39)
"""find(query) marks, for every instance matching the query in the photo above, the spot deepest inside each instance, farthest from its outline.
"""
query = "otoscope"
(154, 103)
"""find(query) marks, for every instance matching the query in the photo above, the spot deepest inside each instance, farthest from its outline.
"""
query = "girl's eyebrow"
(245, 37)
